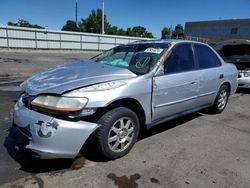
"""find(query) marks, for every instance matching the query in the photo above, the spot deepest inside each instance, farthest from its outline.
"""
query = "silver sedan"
(116, 94)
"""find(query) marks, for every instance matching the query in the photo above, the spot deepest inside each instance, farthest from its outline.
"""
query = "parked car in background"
(237, 52)
(118, 93)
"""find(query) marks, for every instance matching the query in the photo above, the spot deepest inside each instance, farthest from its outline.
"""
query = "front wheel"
(118, 132)
(221, 99)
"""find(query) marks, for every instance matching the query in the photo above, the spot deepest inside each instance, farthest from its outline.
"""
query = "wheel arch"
(227, 83)
(131, 104)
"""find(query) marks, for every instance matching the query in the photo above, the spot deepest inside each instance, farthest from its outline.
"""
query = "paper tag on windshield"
(154, 50)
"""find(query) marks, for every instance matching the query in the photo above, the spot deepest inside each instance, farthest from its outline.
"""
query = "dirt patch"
(10, 84)
(6, 78)
(79, 163)
(13, 60)
(16, 186)
(154, 180)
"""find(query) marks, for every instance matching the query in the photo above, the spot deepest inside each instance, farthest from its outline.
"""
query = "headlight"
(60, 103)
(246, 74)
(97, 87)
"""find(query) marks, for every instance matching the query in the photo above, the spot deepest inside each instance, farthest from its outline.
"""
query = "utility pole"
(103, 17)
(171, 31)
(76, 14)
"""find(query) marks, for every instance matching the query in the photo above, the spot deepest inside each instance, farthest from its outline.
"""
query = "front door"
(176, 90)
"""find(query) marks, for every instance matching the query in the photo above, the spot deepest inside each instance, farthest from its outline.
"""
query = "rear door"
(210, 74)
(176, 90)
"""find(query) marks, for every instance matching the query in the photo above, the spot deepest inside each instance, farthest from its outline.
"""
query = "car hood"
(73, 75)
(242, 62)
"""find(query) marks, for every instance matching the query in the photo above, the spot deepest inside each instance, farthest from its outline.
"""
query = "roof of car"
(167, 41)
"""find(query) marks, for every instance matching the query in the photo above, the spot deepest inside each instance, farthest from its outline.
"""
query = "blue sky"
(152, 14)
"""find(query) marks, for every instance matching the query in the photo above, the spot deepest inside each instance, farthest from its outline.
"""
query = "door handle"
(221, 76)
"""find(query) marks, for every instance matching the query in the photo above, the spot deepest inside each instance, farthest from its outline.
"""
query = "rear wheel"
(221, 99)
(118, 132)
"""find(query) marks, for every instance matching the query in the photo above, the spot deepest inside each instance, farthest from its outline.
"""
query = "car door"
(210, 74)
(175, 91)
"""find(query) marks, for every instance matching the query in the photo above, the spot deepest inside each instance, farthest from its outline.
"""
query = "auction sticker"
(154, 50)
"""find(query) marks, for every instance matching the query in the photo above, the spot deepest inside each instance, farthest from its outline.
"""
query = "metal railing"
(21, 37)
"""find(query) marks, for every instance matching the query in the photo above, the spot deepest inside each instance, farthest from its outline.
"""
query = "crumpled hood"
(73, 75)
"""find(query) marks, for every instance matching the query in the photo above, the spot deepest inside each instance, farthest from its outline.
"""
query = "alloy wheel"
(121, 134)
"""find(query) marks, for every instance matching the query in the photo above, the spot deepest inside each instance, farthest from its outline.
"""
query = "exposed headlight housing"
(60, 103)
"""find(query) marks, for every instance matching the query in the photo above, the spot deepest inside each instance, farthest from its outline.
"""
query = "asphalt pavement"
(198, 150)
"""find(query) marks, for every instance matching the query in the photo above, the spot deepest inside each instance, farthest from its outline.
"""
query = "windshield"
(138, 58)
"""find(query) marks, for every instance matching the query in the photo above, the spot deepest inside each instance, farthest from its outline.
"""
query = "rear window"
(206, 57)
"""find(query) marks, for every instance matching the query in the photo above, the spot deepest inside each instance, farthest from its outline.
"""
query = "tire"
(221, 100)
(118, 132)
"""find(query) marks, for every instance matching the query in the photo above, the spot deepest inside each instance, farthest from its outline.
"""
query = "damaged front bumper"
(50, 137)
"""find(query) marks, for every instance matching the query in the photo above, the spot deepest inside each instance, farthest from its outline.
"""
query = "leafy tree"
(121, 32)
(112, 30)
(178, 31)
(93, 23)
(129, 32)
(70, 26)
(139, 31)
(24, 23)
(166, 32)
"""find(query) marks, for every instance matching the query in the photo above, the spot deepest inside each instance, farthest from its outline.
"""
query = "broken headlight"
(60, 103)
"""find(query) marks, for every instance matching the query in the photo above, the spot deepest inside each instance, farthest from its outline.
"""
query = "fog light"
(88, 111)
(84, 112)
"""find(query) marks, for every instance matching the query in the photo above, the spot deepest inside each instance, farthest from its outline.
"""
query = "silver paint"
(244, 80)
(65, 141)
(162, 97)
(73, 75)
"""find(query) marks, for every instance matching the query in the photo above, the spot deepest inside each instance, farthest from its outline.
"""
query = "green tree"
(178, 31)
(93, 23)
(129, 32)
(166, 32)
(121, 32)
(112, 30)
(139, 31)
(24, 23)
(70, 26)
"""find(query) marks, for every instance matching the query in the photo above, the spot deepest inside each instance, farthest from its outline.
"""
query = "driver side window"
(180, 60)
